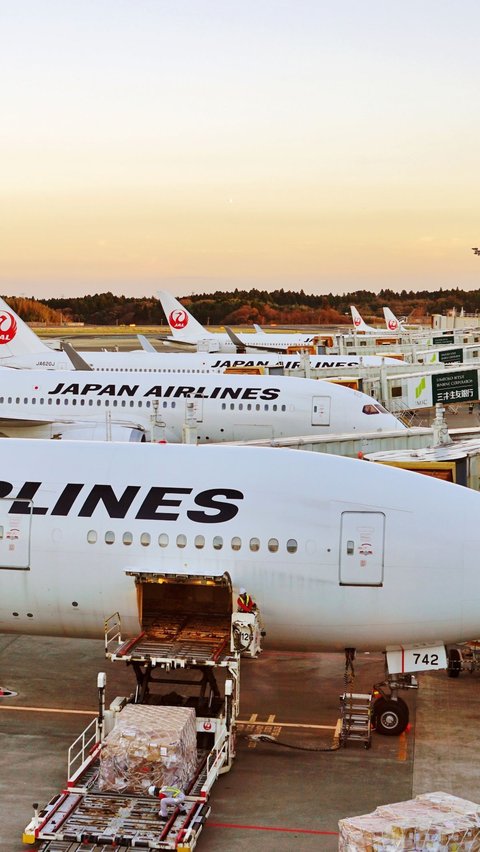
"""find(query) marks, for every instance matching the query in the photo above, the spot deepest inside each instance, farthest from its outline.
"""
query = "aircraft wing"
(78, 362)
(145, 344)
(242, 344)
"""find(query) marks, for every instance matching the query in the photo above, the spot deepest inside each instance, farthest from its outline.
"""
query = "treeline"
(281, 307)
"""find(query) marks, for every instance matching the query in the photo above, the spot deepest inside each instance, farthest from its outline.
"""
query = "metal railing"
(83, 746)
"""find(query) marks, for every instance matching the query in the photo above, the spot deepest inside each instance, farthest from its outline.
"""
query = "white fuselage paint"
(225, 407)
(179, 362)
(405, 545)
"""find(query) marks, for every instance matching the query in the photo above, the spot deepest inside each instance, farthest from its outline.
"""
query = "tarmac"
(275, 797)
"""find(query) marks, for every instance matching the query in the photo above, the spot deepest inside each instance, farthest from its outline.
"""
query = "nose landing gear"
(390, 713)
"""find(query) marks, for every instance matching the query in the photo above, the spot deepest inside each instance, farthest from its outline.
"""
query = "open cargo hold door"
(183, 617)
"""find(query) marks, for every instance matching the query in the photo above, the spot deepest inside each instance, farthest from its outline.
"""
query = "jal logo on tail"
(8, 327)
(357, 321)
(178, 319)
(392, 324)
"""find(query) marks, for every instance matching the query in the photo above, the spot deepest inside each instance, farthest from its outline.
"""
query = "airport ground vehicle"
(191, 640)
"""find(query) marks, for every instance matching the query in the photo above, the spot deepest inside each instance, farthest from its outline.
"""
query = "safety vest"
(170, 792)
(245, 602)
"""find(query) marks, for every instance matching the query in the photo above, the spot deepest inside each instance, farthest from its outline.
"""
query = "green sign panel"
(461, 386)
(443, 341)
(451, 356)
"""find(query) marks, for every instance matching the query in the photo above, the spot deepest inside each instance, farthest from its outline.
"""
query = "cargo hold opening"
(179, 599)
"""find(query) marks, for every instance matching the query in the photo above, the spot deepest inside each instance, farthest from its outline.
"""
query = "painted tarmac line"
(48, 710)
(271, 828)
(243, 722)
(288, 725)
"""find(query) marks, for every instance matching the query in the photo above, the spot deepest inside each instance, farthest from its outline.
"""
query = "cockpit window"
(380, 408)
(370, 409)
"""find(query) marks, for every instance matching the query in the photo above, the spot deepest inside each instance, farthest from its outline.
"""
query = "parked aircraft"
(391, 321)
(338, 553)
(126, 407)
(361, 326)
(187, 330)
(21, 348)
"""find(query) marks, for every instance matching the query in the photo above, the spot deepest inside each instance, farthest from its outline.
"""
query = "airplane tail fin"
(391, 321)
(358, 323)
(183, 326)
(16, 338)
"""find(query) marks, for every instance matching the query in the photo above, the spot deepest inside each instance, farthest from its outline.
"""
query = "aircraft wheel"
(390, 717)
(454, 666)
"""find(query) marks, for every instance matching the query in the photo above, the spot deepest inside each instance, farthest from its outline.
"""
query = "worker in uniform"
(168, 796)
(245, 602)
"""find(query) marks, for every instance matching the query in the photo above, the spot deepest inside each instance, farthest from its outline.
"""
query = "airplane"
(137, 407)
(338, 553)
(21, 348)
(361, 326)
(186, 330)
(391, 321)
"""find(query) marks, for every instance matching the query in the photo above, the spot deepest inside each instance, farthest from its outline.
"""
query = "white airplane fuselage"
(336, 552)
(180, 362)
(223, 407)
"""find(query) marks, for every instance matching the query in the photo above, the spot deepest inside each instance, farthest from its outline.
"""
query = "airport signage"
(451, 356)
(443, 341)
(461, 386)
(419, 392)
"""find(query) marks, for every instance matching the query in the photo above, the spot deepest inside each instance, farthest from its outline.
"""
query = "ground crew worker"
(245, 602)
(168, 796)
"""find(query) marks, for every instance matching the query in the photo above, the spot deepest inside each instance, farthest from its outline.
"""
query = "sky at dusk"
(196, 145)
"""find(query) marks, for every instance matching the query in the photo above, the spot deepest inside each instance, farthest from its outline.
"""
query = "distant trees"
(279, 307)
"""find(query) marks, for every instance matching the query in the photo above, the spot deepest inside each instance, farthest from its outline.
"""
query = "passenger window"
(92, 537)
(109, 537)
(217, 542)
(127, 538)
(181, 540)
(254, 544)
(1, 532)
(145, 539)
(273, 545)
(163, 540)
(292, 545)
(199, 541)
(236, 542)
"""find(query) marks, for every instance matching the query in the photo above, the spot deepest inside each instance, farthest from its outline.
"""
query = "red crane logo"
(178, 319)
(8, 327)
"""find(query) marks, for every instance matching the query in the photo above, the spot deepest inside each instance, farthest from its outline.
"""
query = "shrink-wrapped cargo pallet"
(437, 822)
(149, 745)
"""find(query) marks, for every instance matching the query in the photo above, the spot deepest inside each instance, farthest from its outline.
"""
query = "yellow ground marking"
(243, 722)
(252, 724)
(402, 747)
(47, 710)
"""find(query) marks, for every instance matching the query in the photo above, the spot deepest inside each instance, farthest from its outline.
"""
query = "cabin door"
(15, 534)
(362, 541)
(197, 408)
(321, 410)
